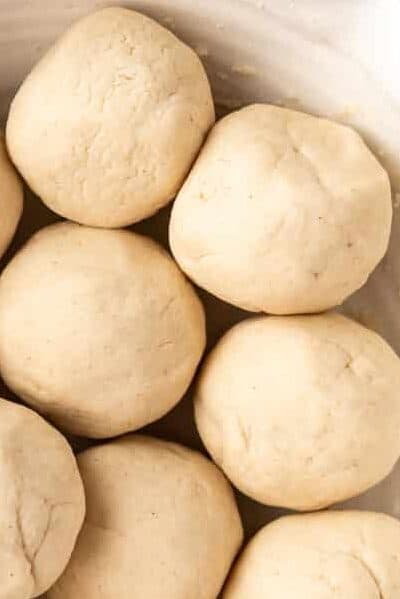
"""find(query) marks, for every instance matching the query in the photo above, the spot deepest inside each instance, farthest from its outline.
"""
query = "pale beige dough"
(301, 411)
(330, 555)
(42, 503)
(161, 523)
(282, 213)
(99, 329)
(11, 199)
(106, 126)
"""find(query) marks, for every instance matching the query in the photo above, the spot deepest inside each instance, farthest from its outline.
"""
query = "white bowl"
(339, 58)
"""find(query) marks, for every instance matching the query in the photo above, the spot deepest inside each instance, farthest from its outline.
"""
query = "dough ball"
(302, 411)
(116, 112)
(11, 199)
(283, 212)
(321, 556)
(99, 329)
(42, 503)
(161, 524)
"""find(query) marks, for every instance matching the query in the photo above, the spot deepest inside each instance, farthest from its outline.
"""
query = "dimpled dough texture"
(42, 503)
(161, 524)
(99, 330)
(116, 112)
(283, 212)
(301, 411)
(331, 555)
(10, 199)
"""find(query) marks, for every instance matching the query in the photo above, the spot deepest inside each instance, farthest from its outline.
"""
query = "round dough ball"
(42, 503)
(283, 212)
(11, 199)
(118, 110)
(302, 411)
(161, 523)
(99, 329)
(321, 556)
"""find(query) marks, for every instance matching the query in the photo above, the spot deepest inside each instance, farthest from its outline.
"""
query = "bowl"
(339, 59)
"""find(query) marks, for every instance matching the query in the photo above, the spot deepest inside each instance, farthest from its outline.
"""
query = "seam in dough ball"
(161, 523)
(99, 329)
(11, 199)
(301, 411)
(118, 109)
(330, 555)
(42, 503)
(283, 212)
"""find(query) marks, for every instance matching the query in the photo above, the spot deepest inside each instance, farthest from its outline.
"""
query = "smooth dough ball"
(161, 523)
(329, 555)
(107, 125)
(302, 411)
(11, 199)
(283, 212)
(42, 503)
(99, 329)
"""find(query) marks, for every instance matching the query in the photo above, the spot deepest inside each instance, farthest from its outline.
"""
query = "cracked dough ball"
(161, 523)
(283, 212)
(117, 111)
(301, 411)
(99, 329)
(42, 503)
(329, 555)
(11, 199)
